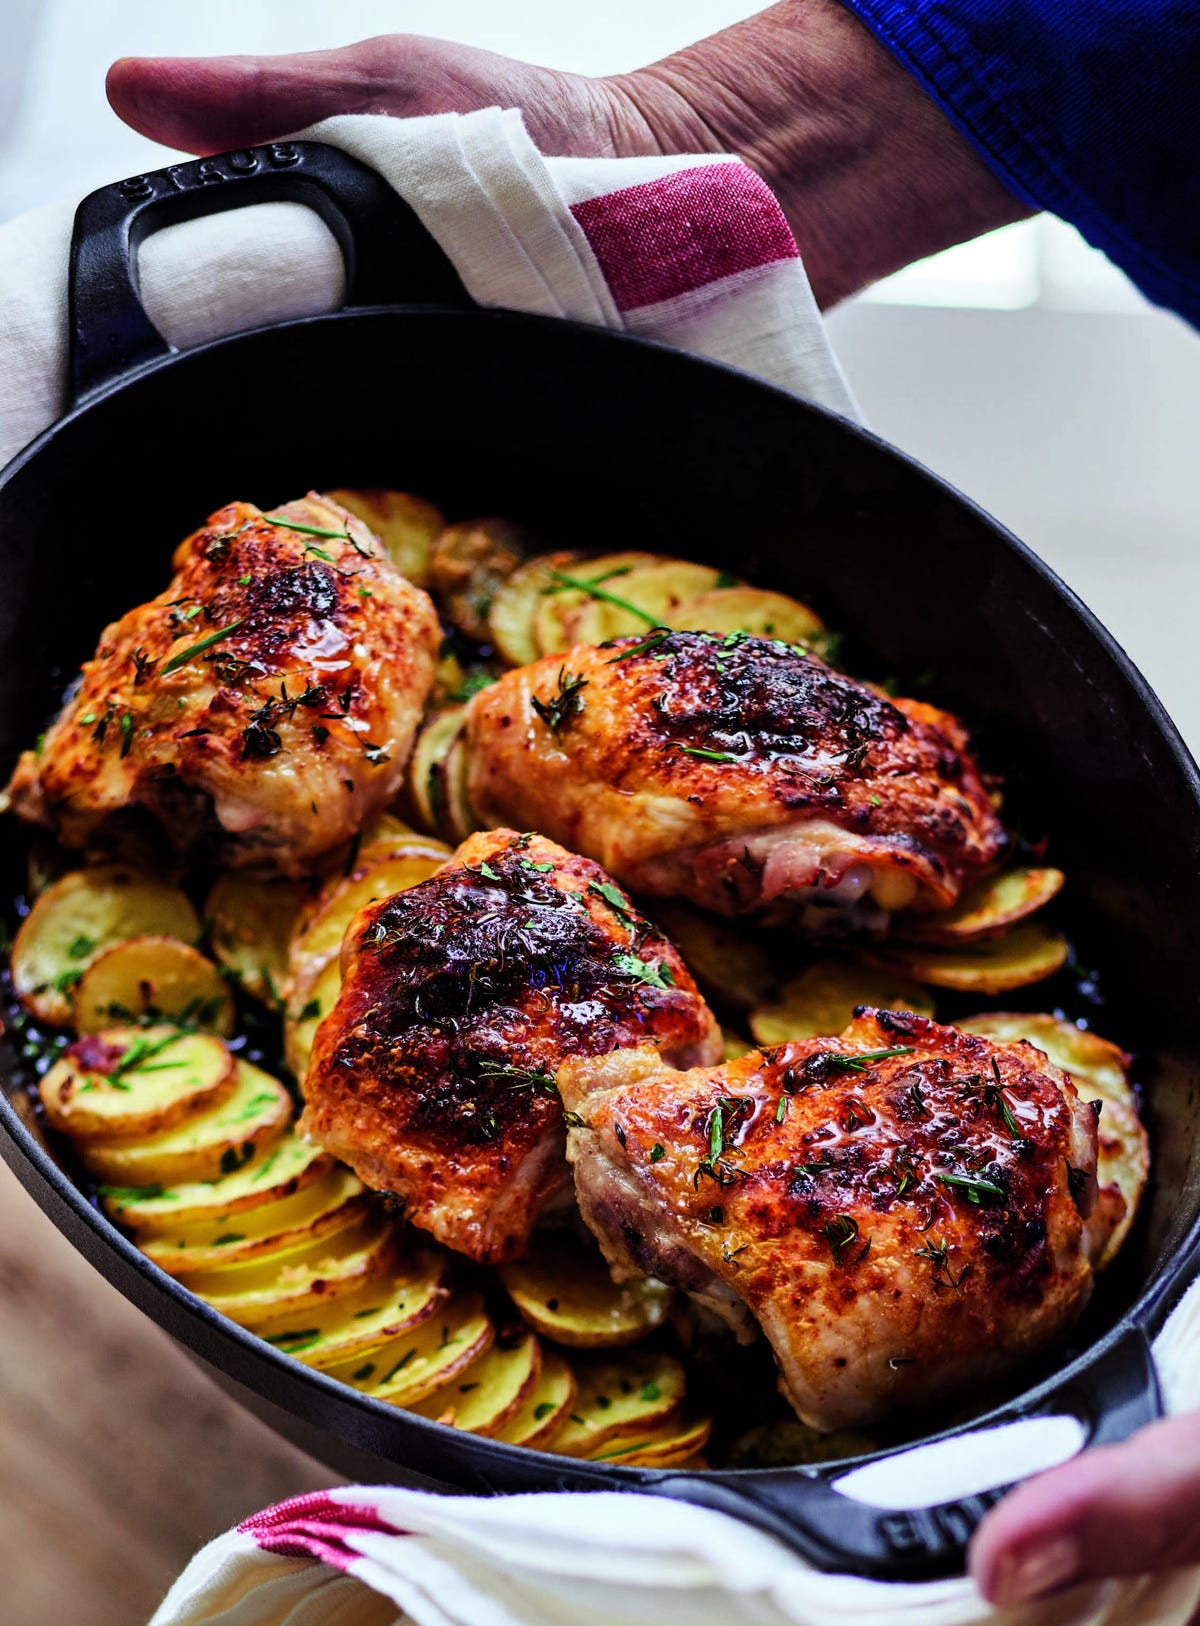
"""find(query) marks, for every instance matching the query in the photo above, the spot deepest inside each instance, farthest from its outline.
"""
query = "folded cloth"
(691, 251)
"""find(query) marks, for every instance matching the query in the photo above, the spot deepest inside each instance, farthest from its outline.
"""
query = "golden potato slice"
(74, 919)
(205, 1145)
(469, 563)
(406, 1370)
(996, 965)
(654, 593)
(627, 1395)
(822, 1000)
(1100, 1070)
(989, 907)
(458, 817)
(667, 1446)
(511, 613)
(315, 1211)
(752, 610)
(565, 1292)
(276, 1288)
(276, 1170)
(321, 935)
(310, 1004)
(152, 979)
(426, 781)
(545, 1408)
(485, 1395)
(250, 924)
(406, 525)
(564, 592)
(135, 1081)
(413, 1289)
(731, 967)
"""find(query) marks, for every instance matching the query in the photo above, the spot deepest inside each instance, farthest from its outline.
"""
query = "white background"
(1071, 416)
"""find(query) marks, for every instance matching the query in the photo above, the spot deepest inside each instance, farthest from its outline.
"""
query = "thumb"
(1119, 1510)
(211, 104)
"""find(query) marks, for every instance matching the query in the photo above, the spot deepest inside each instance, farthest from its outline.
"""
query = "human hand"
(1125, 1509)
(870, 173)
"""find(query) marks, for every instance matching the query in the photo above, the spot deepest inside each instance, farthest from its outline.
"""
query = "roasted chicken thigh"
(739, 772)
(260, 707)
(433, 1076)
(903, 1209)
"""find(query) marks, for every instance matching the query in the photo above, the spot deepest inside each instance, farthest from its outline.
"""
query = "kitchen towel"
(694, 252)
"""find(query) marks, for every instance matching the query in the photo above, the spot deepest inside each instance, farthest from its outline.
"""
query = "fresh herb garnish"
(566, 704)
(185, 655)
(655, 976)
(658, 636)
(308, 530)
(975, 1190)
(702, 751)
(594, 590)
(840, 1232)
(657, 1152)
(616, 901)
(938, 1254)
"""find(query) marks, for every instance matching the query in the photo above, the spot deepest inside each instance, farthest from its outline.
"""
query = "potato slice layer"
(136, 1081)
(513, 610)
(411, 1292)
(203, 1146)
(153, 979)
(625, 1395)
(483, 1396)
(427, 767)
(564, 592)
(1028, 953)
(469, 563)
(251, 925)
(405, 524)
(74, 919)
(275, 1171)
(323, 931)
(654, 593)
(405, 1371)
(752, 610)
(989, 907)
(545, 1408)
(275, 1288)
(308, 1007)
(822, 1000)
(667, 1446)
(565, 1292)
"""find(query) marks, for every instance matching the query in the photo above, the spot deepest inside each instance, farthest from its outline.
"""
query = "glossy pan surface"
(602, 441)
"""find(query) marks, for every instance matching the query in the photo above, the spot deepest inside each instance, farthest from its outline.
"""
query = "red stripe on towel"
(688, 229)
(313, 1526)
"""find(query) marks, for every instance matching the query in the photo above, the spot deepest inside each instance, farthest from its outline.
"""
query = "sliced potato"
(75, 918)
(989, 907)
(626, 1395)
(310, 1004)
(316, 1210)
(1100, 1070)
(250, 924)
(426, 781)
(136, 1081)
(517, 602)
(752, 610)
(731, 967)
(467, 566)
(566, 591)
(275, 1288)
(405, 1371)
(667, 1446)
(411, 1291)
(545, 1408)
(483, 1396)
(458, 820)
(406, 525)
(822, 1000)
(205, 1145)
(276, 1170)
(152, 979)
(1028, 953)
(321, 935)
(655, 593)
(565, 1292)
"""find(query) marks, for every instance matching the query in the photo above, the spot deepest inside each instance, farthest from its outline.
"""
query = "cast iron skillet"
(605, 441)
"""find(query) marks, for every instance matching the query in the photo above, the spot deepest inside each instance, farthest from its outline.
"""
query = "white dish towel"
(692, 251)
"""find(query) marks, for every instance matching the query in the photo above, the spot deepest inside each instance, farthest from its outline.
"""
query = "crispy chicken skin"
(433, 1076)
(265, 702)
(902, 1208)
(739, 772)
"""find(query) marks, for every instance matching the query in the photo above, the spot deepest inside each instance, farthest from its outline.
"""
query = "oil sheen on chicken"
(903, 1209)
(260, 708)
(433, 1076)
(740, 772)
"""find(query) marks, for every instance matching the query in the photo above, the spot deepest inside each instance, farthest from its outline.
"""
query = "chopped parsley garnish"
(81, 947)
(655, 976)
(126, 727)
(657, 1152)
(616, 901)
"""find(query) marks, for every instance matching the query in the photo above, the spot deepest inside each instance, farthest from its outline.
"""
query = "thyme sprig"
(566, 704)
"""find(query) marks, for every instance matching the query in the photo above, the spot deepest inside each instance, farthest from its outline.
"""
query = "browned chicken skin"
(739, 772)
(433, 1076)
(276, 684)
(902, 1208)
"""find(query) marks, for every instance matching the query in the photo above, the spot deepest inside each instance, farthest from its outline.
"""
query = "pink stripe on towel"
(314, 1526)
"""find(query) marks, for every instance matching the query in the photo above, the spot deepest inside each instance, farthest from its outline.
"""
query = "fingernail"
(1022, 1576)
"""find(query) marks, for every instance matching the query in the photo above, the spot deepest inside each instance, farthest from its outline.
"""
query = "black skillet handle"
(389, 255)
(1112, 1398)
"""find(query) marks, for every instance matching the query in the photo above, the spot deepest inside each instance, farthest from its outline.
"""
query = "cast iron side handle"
(1113, 1398)
(390, 257)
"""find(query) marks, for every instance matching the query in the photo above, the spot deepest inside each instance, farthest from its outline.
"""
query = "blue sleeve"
(1087, 108)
